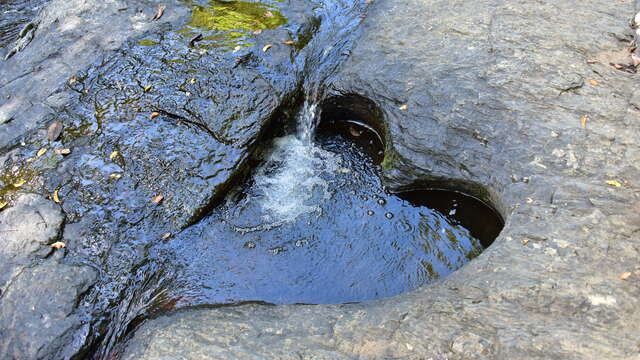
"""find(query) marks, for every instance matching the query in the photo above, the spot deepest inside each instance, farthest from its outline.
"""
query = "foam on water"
(293, 180)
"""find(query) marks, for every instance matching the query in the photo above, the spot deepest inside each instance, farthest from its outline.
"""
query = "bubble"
(370, 212)
(382, 201)
(250, 245)
(388, 215)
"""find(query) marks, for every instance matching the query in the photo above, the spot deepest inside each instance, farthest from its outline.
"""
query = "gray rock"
(26, 230)
(36, 312)
(478, 81)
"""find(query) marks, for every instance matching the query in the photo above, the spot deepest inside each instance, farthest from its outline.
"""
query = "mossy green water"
(226, 23)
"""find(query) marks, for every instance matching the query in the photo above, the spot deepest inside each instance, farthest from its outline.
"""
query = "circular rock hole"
(314, 224)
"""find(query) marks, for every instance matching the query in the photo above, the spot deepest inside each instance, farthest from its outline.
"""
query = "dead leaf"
(525, 241)
(403, 107)
(192, 80)
(583, 121)
(354, 131)
(58, 245)
(625, 275)
(54, 131)
(257, 32)
(529, 200)
(147, 88)
(115, 176)
(156, 199)
(159, 12)
(154, 115)
(3, 204)
(237, 48)
(113, 155)
(19, 183)
(72, 79)
(594, 82)
(615, 183)
(56, 198)
(592, 61)
(267, 47)
(344, 170)
(289, 42)
(635, 59)
(166, 235)
(617, 66)
(41, 152)
(62, 151)
(268, 14)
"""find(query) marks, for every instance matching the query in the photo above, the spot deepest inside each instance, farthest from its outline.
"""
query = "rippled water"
(314, 225)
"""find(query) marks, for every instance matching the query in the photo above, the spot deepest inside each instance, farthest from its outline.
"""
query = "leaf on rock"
(594, 82)
(113, 155)
(166, 235)
(147, 88)
(614, 183)
(156, 199)
(62, 151)
(56, 198)
(625, 275)
(73, 79)
(267, 47)
(3, 204)
(583, 121)
(159, 12)
(525, 241)
(592, 61)
(54, 131)
(41, 152)
(289, 42)
(58, 245)
(403, 107)
(115, 176)
(154, 115)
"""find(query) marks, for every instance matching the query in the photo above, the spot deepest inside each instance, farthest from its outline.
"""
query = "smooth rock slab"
(36, 312)
(488, 101)
(26, 230)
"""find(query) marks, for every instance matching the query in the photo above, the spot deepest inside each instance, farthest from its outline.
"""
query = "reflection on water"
(231, 23)
(315, 226)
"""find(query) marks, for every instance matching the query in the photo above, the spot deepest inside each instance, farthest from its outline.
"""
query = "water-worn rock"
(495, 101)
(36, 312)
(26, 231)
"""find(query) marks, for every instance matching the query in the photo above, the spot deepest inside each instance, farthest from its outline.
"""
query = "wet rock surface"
(488, 96)
(480, 84)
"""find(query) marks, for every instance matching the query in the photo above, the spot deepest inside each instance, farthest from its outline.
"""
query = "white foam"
(291, 182)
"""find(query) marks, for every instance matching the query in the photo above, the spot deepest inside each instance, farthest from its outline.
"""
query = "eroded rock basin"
(315, 225)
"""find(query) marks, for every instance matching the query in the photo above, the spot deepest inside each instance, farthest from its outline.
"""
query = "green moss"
(390, 158)
(148, 42)
(235, 19)
(8, 181)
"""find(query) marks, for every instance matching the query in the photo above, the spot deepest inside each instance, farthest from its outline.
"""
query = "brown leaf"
(525, 241)
(58, 245)
(592, 61)
(156, 199)
(54, 131)
(147, 88)
(289, 42)
(62, 151)
(159, 12)
(583, 121)
(267, 47)
(56, 198)
(617, 66)
(625, 275)
(166, 235)
(594, 82)
(403, 107)
(154, 115)
(268, 14)
(73, 79)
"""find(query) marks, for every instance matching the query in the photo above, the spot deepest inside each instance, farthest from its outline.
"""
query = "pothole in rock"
(314, 224)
